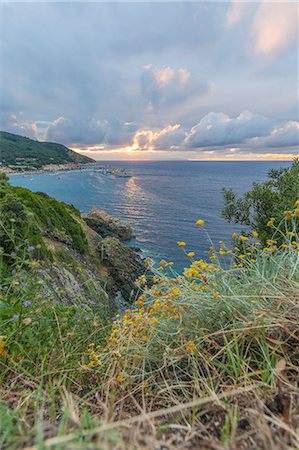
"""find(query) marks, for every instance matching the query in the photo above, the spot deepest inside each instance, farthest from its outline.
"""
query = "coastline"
(117, 172)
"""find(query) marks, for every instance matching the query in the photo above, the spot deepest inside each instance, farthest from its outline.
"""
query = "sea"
(160, 200)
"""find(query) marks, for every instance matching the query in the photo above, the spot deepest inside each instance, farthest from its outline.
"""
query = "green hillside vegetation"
(207, 359)
(22, 151)
(29, 216)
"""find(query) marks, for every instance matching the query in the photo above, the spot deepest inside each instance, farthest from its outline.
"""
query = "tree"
(265, 200)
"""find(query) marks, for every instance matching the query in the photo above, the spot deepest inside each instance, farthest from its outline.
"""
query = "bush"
(269, 199)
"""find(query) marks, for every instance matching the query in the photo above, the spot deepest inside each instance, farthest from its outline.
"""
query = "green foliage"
(38, 324)
(20, 150)
(25, 217)
(52, 215)
(18, 232)
(265, 200)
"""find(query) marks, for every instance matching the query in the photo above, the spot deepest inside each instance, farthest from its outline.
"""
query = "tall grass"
(203, 359)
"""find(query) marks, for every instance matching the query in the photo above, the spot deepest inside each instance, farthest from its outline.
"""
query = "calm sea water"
(161, 200)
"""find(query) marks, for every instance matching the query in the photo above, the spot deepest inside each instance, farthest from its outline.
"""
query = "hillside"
(19, 151)
(203, 360)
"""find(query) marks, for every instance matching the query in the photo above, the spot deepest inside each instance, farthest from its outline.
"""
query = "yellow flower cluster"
(163, 311)
(2, 345)
(271, 221)
(140, 281)
(190, 347)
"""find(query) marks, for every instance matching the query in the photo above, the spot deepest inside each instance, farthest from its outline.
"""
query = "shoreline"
(117, 172)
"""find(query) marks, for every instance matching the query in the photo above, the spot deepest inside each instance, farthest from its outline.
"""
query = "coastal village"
(20, 167)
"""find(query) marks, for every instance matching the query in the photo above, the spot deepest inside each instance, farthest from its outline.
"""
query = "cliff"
(73, 252)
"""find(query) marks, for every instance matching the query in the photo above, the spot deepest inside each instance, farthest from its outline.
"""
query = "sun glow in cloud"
(145, 139)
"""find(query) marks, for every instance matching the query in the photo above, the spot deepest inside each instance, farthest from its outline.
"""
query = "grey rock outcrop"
(106, 225)
(124, 266)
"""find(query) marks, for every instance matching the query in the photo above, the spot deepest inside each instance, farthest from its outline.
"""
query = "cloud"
(218, 129)
(285, 135)
(166, 86)
(149, 139)
(104, 74)
(275, 27)
(79, 131)
(236, 12)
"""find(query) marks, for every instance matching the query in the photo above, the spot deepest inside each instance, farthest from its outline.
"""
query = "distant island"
(21, 154)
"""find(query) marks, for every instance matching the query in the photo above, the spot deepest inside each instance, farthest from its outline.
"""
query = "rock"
(124, 266)
(58, 235)
(119, 304)
(106, 225)
(62, 281)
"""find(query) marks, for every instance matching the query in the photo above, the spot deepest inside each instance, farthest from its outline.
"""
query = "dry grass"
(193, 371)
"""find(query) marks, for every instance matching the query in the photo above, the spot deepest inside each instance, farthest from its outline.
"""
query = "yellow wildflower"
(181, 243)
(90, 365)
(270, 222)
(120, 378)
(163, 263)
(176, 291)
(190, 347)
(216, 295)
(2, 351)
(235, 236)
(140, 281)
(200, 223)
(243, 238)
(288, 214)
(191, 254)
(148, 262)
(255, 234)
(291, 233)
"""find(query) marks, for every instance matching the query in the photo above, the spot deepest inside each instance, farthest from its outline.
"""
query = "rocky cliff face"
(124, 266)
(106, 225)
(80, 259)
(122, 263)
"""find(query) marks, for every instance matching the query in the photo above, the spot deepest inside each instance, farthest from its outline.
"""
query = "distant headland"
(21, 155)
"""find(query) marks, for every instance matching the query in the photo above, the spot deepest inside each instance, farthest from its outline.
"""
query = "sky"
(152, 80)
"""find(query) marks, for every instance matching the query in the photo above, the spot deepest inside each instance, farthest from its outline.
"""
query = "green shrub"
(265, 200)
